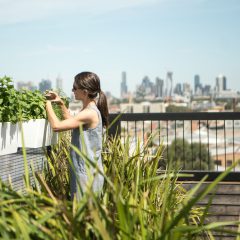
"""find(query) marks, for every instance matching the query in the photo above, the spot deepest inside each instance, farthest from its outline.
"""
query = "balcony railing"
(201, 143)
(212, 142)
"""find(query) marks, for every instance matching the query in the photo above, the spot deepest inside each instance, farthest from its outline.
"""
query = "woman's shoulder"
(94, 109)
(91, 109)
(86, 114)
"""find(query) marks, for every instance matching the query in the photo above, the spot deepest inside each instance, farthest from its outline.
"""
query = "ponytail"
(103, 108)
(91, 82)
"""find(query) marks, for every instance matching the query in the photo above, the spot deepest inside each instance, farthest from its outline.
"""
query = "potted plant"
(36, 129)
(27, 108)
(8, 117)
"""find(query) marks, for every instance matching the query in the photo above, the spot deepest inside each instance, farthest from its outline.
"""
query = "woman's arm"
(56, 99)
(84, 117)
(65, 111)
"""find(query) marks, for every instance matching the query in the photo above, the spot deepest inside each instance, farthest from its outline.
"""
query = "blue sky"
(46, 38)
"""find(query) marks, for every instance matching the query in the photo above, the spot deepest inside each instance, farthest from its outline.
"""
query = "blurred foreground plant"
(137, 202)
(57, 166)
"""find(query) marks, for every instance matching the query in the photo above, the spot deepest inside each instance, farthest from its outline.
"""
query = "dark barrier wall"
(12, 166)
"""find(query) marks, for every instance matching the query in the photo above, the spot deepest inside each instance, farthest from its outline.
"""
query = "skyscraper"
(207, 90)
(221, 83)
(146, 89)
(169, 84)
(26, 85)
(59, 83)
(159, 90)
(147, 85)
(124, 88)
(186, 89)
(196, 83)
(44, 85)
(178, 89)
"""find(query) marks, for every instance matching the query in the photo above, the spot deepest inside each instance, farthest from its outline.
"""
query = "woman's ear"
(85, 92)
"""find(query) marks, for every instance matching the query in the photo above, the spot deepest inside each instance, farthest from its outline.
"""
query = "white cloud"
(14, 11)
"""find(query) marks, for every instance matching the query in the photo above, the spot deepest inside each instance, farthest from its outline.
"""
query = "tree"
(173, 108)
(187, 156)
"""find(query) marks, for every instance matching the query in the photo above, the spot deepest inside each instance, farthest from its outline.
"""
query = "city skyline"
(47, 39)
(159, 87)
(165, 87)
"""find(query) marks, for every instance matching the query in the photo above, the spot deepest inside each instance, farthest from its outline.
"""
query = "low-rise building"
(143, 107)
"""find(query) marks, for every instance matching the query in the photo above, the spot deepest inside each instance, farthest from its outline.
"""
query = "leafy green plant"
(31, 105)
(24, 104)
(8, 101)
(56, 107)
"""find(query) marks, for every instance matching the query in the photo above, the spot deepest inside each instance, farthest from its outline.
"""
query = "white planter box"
(51, 136)
(8, 138)
(37, 133)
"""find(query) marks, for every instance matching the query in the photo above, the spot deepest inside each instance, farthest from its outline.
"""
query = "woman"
(91, 119)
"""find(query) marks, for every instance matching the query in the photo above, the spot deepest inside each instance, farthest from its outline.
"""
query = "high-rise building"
(147, 85)
(44, 85)
(186, 89)
(178, 89)
(221, 83)
(197, 83)
(146, 90)
(207, 90)
(124, 88)
(26, 85)
(169, 84)
(159, 90)
(59, 82)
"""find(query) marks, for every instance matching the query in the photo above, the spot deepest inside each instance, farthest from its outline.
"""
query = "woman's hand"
(53, 97)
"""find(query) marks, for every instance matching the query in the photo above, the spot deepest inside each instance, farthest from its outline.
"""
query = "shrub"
(24, 104)
(8, 101)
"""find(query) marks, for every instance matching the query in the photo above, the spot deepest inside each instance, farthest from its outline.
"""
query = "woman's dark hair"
(91, 82)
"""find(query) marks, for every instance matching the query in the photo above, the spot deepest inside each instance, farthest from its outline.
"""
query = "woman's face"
(79, 94)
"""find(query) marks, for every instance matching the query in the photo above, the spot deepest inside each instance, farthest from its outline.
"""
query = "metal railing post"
(115, 127)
